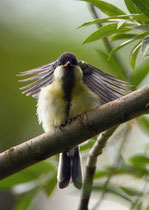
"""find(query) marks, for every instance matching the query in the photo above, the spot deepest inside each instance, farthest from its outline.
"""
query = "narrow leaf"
(125, 43)
(121, 23)
(131, 191)
(134, 53)
(112, 189)
(145, 45)
(103, 32)
(131, 7)
(113, 19)
(139, 160)
(142, 5)
(120, 36)
(105, 7)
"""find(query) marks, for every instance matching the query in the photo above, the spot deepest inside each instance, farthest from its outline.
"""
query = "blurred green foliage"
(22, 49)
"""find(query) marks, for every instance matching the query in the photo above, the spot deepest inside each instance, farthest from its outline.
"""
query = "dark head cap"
(67, 57)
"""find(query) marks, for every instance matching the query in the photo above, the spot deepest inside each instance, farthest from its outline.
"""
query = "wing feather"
(43, 76)
(106, 86)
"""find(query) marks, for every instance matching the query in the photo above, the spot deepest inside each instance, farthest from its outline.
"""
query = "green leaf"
(112, 189)
(50, 185)
(132, 7)
(113, 66)
(125, 43)
(27, 175)
(121, 23)
(15, 179)
(131, 191)
(139, 160)
(104, 32)
(142, 5)
(25, 201)
(113, 19)
(140, 73)
(107, 8)
(145, 45)
(120, 36)
(134, 53)
(143, 122)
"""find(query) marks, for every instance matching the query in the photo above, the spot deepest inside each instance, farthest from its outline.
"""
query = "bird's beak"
(68, 64)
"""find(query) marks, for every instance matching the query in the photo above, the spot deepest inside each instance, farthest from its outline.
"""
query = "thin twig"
(91, 166)
(115, 165)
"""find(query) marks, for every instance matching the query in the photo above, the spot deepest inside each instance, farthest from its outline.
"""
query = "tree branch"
(82, 128)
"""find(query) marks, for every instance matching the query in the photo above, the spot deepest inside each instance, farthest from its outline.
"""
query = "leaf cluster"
(121, 26)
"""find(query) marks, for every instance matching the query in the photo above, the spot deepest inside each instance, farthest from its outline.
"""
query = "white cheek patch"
(58, 73)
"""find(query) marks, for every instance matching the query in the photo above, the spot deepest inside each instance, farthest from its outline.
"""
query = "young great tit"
(65, 89)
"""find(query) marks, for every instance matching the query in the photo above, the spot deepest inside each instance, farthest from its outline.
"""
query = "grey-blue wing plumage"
(43, 77)
(106, 86)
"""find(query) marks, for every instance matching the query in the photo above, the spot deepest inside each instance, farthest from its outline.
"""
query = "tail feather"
(64, 170)
(70, 167)
(76, 169)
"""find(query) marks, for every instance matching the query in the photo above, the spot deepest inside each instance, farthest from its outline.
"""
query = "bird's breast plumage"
(57, 104)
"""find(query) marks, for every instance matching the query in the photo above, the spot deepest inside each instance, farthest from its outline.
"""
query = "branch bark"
(82, 128)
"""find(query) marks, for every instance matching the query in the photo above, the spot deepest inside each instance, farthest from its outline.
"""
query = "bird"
(65, 89)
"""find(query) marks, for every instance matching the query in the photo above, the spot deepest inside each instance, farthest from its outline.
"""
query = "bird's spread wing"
(107, 87)
(43, 76)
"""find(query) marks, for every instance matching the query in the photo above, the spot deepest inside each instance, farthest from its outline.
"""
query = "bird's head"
(67, 63)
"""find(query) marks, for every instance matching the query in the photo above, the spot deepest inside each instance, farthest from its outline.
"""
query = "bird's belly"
(52, 106)
(83, 102)
(51, 109)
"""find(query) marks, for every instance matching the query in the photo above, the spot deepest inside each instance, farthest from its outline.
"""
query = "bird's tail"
(70, 169)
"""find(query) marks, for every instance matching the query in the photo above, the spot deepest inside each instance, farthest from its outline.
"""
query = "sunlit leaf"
(113, 18)
(131, 191)
(104, 31)
(120, 36)
(25, 201)
(142, 5)
(139, 160)
(133, 54)
(105, 7)
(121, 23)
